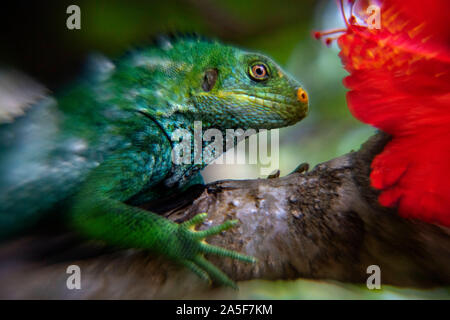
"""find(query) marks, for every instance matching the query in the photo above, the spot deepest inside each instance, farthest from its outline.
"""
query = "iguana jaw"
(258, 109)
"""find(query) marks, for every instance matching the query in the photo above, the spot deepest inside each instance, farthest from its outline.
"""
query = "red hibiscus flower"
(400, 83)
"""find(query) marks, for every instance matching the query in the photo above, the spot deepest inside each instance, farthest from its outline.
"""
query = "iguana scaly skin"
(103, 146)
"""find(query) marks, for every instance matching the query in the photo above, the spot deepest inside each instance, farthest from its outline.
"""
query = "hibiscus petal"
(400, 83)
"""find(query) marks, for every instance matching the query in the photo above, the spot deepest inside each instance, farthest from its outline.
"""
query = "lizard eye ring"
(258, 71)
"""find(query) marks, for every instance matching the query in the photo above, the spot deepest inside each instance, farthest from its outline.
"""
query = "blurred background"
(35, 40)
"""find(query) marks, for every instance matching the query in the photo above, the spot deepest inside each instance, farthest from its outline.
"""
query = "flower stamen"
(319, 34)
(348, 22)
(343, 12)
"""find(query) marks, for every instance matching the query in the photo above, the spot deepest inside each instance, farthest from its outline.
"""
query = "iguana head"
(221, 85)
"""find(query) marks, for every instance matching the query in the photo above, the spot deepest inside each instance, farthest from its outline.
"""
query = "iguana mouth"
(282, 109)
(263, 101)
(266, 100)
(291, 110)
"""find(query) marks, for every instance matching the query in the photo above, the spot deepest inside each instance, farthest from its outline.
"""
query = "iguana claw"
(196, 247)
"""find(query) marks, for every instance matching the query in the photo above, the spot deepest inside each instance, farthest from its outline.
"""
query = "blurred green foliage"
(314, 289)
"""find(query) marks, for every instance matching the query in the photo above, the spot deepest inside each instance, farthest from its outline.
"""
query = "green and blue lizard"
(103, 146)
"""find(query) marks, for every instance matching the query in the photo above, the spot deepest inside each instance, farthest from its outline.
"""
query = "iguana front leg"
(99, 212)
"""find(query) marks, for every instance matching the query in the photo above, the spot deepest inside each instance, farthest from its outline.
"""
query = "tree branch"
(322, 224)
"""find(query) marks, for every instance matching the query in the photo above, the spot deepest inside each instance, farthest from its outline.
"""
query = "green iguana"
(103, 146)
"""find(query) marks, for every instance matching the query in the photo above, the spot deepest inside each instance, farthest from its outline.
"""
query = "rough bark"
(322, 224)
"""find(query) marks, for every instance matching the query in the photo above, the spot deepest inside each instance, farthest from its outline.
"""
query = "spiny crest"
(161, 40)
(164, 41)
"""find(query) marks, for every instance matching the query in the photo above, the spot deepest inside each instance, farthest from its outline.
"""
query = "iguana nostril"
(302, 96)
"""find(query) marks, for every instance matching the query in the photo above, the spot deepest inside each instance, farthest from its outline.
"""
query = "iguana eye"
(258, 72)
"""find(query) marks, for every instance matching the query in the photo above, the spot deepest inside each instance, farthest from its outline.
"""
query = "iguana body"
(104, 145)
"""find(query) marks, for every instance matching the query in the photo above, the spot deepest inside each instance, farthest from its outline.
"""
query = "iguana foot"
(301, 168)
(194, 247)
(274, 175)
